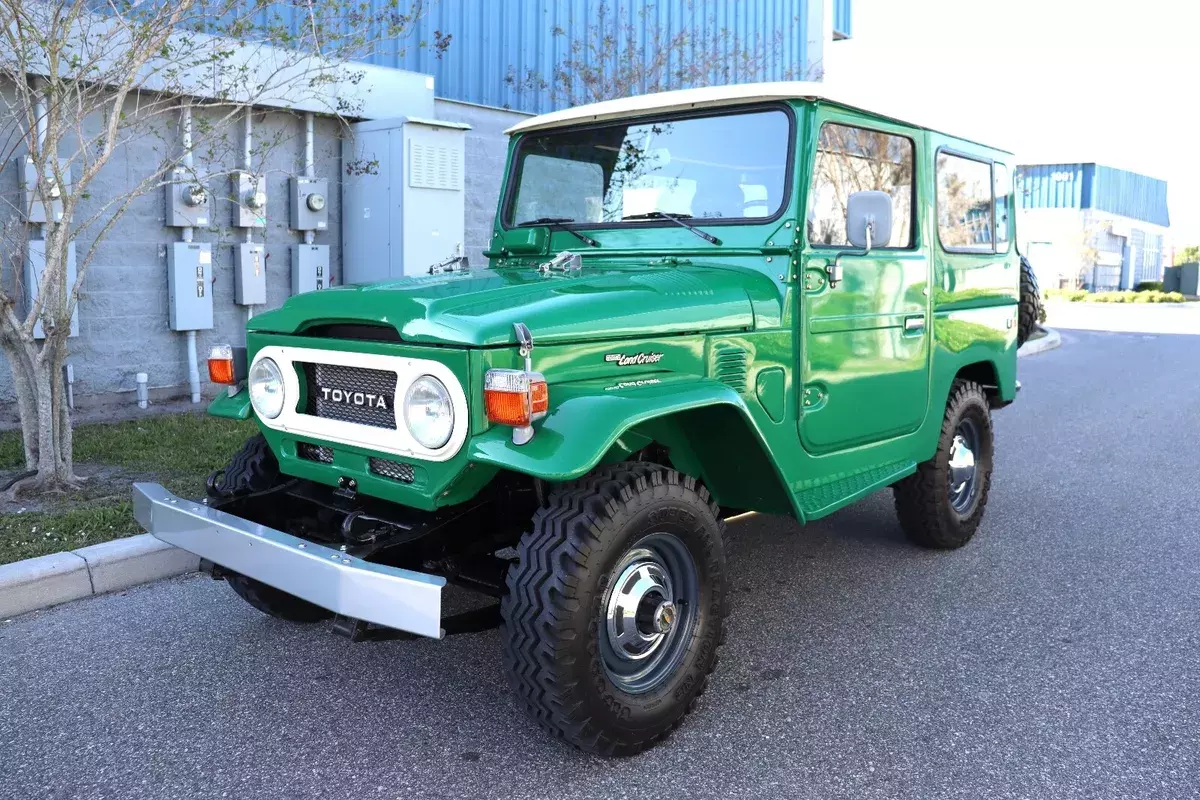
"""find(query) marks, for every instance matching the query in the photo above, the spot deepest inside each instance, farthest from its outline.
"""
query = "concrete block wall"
(123, 309)
(123, 315)
(486, 155)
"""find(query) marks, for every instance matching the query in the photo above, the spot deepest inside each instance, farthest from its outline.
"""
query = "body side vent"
(729, 366)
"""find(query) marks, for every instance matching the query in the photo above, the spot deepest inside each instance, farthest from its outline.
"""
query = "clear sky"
(1053, 80)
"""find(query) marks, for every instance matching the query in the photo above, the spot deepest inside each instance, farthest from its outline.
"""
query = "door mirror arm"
(834, 271)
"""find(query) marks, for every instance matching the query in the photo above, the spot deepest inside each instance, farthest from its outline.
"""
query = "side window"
(964, 204)
(852, 160)
(1003, 191)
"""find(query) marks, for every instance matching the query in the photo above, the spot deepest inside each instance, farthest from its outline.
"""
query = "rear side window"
(853, 160)
(965, 206)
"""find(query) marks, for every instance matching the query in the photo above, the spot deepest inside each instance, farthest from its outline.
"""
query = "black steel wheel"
(615, 608)
(942, 503)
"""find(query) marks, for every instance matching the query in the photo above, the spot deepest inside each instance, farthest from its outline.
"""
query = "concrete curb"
(38, 583)
(1051, 340)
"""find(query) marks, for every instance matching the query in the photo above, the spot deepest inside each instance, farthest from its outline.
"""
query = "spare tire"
(1031, 303)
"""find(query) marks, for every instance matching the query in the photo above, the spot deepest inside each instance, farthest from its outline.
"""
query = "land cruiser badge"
(637, 359)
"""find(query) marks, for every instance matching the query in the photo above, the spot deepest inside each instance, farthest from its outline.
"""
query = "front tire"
(615, 608)
(255, 469)
(275, 603)
(941, 504)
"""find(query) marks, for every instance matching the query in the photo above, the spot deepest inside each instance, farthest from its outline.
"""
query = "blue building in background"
(1090, 225)
(539, 55)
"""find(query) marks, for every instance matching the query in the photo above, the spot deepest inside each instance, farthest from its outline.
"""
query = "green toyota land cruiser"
(696, 304)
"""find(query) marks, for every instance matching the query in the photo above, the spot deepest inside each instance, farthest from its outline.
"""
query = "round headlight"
(266, 388)
(429, 412)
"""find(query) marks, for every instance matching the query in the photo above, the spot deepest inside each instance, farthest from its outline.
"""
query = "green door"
(865, 341)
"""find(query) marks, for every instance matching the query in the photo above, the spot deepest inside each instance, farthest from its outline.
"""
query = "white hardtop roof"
(715, 96)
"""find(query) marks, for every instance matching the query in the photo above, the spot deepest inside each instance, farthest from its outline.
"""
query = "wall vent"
(434, 167)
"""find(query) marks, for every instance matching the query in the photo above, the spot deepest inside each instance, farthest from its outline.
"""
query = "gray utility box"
(250, 274)
(35, 265)
(310, 267)
(31, 201)
(309, 203)
(249, 200)
(188, 202)
(1171, 279)
(189, 286)
(1189, 279)
(403, 204)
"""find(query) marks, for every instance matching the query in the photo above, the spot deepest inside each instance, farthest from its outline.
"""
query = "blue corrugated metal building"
(1092, 224)
(510, 53)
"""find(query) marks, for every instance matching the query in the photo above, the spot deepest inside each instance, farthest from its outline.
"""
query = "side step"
(825, 498)
(475, 621)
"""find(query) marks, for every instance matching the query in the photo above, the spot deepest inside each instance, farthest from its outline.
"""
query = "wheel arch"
(705, 425)
(986, 374)
(720, 445)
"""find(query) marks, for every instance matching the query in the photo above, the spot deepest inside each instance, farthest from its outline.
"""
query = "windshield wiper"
(560, 224)
(678, 219)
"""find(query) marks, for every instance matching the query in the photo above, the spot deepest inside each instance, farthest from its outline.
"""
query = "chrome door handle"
(914, 324)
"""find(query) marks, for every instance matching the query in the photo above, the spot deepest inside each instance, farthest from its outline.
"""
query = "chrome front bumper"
(389, 596)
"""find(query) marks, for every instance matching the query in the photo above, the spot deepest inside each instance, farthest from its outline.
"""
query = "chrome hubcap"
(962, 466)
(649, 612)
(642, 591)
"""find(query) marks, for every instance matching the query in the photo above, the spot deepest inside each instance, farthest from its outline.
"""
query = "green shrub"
(1082, 296)
(1070, 295)
(1148, 286)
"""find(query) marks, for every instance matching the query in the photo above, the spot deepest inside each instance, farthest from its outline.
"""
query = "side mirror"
(869, 219)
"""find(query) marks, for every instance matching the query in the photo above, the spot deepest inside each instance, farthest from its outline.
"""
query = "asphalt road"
(1056, 656)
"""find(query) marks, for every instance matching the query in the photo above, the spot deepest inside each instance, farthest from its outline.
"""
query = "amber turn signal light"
(515, 397)
(220, 365)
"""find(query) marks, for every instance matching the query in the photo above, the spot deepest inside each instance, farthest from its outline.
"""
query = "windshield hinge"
(566, 261)
(457, 262)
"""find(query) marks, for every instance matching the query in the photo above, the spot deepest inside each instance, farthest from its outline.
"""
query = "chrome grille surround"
(392, 440)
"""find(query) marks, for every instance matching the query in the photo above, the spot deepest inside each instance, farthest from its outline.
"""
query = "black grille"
(315, 452)
(352, 394)
(395, 470)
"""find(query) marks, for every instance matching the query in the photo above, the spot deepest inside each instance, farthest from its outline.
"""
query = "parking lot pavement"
(1056, 656)
(1166, 318)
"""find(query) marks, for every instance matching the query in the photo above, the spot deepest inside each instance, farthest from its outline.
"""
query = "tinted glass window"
(964, 203)
(853, 160)
(1003, 210)
(732, 166)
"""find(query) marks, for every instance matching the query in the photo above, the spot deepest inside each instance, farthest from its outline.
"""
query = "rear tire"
(1030, 310)
(615, 607)
(941, 504)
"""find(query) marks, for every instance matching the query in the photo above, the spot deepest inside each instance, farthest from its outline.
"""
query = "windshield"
(716, 167)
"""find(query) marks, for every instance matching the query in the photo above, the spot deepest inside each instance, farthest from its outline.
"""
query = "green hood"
(479, 307)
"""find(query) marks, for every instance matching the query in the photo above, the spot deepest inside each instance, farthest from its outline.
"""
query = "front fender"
(588, 418)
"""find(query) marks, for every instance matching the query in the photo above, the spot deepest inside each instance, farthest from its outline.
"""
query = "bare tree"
(638, 55)
(80, 81)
